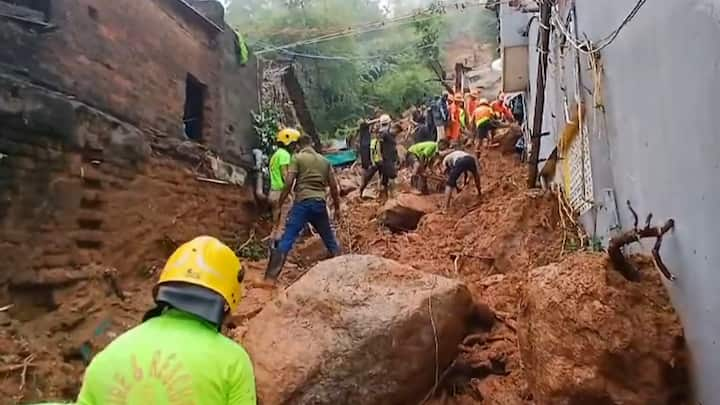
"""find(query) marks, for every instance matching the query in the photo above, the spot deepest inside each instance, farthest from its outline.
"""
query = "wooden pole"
(545, 11)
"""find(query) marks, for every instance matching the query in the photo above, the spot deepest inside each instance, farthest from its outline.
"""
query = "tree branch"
(618, 243)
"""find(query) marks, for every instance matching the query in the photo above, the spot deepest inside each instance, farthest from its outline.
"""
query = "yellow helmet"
(287, 136)
(206, 262)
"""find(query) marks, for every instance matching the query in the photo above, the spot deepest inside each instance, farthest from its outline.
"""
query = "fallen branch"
(214, 181)
(618, 243)
(23, 377)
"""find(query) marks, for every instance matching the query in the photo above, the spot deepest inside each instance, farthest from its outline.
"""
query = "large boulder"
(589, 336)
(357, 330)
(404, 212)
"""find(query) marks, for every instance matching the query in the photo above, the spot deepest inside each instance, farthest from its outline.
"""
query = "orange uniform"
(472, 105)
(483, 113)
(454, 126)
(502, 111)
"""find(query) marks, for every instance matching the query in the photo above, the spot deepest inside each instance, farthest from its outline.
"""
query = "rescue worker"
(420, 156)
(440, 115)
(177, 354)
(457, 163)
(482, 117)
(455, 125)
(279, 163)
(384, 155)
(502, 112)
(471, 106)
(365, 141)
(310, 174)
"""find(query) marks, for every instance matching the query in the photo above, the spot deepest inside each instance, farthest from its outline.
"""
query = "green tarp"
(342, 158)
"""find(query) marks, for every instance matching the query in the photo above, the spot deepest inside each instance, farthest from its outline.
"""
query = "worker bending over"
(286, 140)
(178, 355)
(420, 156)
(310, 174)
(457, 163)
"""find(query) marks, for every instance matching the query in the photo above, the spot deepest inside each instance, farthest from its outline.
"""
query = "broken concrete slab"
(357, 330)
(589, 336)
(403, 213)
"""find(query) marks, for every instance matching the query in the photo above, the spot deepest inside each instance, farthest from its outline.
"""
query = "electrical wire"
(587, 47)
(350, 58)
(379, 25)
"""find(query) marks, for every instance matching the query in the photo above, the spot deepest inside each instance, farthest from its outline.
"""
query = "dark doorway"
(194, 105)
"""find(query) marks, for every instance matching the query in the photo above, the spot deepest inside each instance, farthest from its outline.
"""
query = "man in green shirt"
(279, 163)
(178, 355)
(310, 175)
(420, 156)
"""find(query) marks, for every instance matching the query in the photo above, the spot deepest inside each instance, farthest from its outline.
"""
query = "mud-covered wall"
(79, 187)
(656, 145)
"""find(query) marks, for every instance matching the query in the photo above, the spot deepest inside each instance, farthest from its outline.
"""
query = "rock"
(508, 138)
(404, 212)
(589, 336)
(355, 330)
(347, 186)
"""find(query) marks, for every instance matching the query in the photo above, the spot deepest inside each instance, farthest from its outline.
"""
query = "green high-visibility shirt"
(280, 158)
(173, 359)
(424, 150)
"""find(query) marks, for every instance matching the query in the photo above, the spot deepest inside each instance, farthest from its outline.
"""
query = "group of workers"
(178, 353)
(442, 130)
(452, 117)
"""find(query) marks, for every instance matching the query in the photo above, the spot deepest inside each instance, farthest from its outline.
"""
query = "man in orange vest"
(482, 118)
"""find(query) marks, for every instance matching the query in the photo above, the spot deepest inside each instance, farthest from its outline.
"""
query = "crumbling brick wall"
(78, 186)
(131, 58)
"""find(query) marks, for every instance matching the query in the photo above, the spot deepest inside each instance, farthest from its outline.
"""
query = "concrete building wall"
(655, 144)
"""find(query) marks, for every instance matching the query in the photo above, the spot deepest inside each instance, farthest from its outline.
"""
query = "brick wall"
(78, 186)
(131, 59)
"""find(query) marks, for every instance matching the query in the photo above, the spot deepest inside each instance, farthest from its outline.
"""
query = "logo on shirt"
(163, 381)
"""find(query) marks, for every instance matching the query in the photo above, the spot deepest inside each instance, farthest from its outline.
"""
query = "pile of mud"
(491, 243)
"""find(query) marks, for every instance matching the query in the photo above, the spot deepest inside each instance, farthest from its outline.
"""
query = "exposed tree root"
(615, 250)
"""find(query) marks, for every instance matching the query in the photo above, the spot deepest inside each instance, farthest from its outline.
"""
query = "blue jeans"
(312, 211)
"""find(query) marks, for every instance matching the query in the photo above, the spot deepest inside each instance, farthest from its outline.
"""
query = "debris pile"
(587, 335)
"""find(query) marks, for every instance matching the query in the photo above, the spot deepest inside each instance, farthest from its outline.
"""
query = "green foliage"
(352, 77)
(406, 86)
(266, 125)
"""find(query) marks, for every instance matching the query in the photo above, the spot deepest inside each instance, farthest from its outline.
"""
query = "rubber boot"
(275, 265)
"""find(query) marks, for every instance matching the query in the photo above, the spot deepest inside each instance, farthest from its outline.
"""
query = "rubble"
(588, 335)
(358, 329)
(404, 212)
